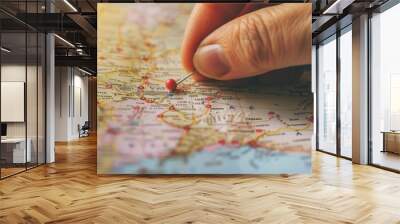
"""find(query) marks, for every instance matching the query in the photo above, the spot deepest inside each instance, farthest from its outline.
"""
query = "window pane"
(346, 94)
(327, 96)
(385, 89)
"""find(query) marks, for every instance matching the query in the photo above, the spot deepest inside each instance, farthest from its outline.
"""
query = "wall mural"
(248, 126)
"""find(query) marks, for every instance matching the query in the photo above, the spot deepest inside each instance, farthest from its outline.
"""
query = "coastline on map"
(243, 160)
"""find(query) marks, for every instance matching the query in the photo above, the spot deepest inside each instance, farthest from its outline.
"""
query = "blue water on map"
(224, 160)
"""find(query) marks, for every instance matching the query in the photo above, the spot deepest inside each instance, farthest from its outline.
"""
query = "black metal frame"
(369, 70)
(44, 77)
(338, 98)
(316, 97)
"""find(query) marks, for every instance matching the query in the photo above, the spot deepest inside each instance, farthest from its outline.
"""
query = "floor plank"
(69, 191)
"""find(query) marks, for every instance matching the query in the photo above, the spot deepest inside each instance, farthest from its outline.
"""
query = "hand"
(232, 41)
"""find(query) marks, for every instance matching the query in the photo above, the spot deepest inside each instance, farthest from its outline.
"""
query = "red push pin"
(171, 84)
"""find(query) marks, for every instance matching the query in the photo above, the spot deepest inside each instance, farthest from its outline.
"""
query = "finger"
(258, 42)
(205, 18)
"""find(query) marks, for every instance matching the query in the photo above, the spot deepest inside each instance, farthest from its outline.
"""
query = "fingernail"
(210, 61)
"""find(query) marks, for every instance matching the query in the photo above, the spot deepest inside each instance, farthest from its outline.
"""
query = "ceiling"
(329, 16)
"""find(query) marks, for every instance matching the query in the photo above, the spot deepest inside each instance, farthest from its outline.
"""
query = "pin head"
(170, 84)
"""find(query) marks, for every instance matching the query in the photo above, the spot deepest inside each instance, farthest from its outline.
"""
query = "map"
(248, 126)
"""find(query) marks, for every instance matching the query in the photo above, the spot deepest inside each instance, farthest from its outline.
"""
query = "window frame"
(337, 35)
(380, 9)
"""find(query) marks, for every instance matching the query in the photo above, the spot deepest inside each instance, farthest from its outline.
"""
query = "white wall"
(70, 83)
(62, 81)
(81, 85)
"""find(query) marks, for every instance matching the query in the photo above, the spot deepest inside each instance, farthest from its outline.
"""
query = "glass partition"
(22, 78)
(13, 94)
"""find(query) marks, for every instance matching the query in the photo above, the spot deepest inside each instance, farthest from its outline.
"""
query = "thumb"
(271, 38)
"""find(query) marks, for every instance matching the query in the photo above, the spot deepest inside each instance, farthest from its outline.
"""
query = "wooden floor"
(5, 172)
(69, 191)
(387, 159)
